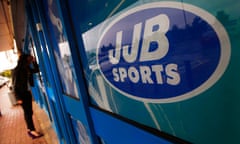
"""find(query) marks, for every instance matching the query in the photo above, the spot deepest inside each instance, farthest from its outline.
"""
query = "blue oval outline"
(210, 19)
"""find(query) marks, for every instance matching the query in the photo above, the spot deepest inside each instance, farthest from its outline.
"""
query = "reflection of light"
(64, 49)
(90, 24)
(116, 8)
(8, 60)
(82, 134)
(15, 46)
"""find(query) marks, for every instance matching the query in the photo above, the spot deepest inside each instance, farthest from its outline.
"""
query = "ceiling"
(12, 24)
(6, 29)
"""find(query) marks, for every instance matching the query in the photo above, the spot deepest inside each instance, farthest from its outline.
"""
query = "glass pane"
(176, 89)
(61, 49)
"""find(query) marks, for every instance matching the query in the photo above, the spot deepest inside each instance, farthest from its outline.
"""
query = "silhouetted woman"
(22, 80)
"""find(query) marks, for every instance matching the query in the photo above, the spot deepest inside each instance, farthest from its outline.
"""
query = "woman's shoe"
(34, 134)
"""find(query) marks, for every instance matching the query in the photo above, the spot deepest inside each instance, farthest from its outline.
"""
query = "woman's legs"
(26, 98)
(28, 113)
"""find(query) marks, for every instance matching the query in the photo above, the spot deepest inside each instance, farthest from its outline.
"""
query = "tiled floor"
(12, 125)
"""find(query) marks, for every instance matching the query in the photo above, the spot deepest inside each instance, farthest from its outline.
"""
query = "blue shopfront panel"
(40, 29)
(62, 53)
(168, 65)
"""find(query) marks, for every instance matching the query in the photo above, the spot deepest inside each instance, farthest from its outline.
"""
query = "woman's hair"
(22, 61)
